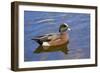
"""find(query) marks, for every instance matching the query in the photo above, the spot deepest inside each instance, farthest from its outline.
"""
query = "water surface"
(39, 23)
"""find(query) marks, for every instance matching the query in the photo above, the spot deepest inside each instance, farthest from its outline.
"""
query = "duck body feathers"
(45, 38)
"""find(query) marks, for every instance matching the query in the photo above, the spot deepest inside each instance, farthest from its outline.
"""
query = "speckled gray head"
(64, 27)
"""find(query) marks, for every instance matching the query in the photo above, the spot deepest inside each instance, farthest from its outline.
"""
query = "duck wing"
(53, 36)
(44, 38)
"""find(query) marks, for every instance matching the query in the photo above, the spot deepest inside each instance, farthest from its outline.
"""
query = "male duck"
(54, 39)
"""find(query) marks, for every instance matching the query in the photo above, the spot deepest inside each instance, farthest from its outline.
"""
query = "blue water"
(39, 23)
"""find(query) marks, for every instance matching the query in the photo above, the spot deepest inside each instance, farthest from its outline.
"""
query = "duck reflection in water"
(53, 41)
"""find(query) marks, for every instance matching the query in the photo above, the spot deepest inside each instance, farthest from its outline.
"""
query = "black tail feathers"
(38, 41)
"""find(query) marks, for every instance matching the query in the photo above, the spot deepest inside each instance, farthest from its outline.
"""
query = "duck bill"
(69, 29)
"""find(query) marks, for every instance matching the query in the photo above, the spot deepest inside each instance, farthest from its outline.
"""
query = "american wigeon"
(54, 39)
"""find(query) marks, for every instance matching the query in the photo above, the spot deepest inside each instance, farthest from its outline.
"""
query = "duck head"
(64, 27)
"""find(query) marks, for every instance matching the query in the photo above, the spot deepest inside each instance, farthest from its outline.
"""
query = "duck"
(54, 39)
